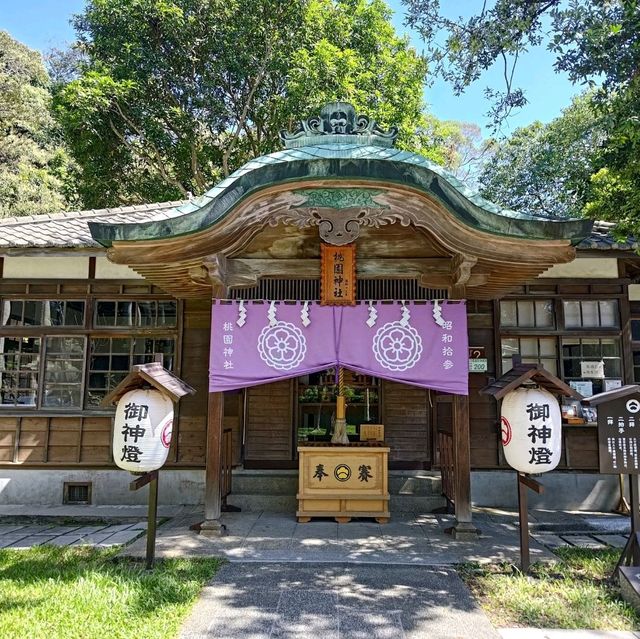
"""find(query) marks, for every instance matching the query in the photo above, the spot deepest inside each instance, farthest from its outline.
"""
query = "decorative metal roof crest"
(338, 124)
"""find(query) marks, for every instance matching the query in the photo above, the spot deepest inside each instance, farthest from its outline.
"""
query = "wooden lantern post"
(152, 375)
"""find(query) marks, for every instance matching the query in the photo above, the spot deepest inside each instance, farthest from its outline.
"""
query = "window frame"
(561, 332)
(87, 331)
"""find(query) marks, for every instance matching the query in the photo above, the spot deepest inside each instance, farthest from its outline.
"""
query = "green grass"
(576, 592)
(84, 593)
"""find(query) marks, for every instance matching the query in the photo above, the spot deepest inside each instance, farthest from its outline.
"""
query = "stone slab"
(122, 537)
(584, 541)
(263, 601)
(615, 541)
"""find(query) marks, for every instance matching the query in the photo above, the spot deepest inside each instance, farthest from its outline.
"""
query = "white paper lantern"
(142, 430)
(531, 430)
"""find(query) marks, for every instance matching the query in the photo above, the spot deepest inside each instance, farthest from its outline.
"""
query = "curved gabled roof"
(344, 162)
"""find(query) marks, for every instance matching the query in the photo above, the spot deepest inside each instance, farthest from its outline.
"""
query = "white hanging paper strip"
(242, 314)
(406, 315)
(437, 314)
(304, 314)
(272, 314)
(373, 315)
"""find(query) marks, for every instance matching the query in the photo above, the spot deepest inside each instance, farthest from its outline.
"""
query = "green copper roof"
(344, 163)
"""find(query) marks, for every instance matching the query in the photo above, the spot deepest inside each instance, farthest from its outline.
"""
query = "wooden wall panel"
(189, 445)
(407, 424)
(483, 415)
(8, 432)
(269, 422)
(95, 443)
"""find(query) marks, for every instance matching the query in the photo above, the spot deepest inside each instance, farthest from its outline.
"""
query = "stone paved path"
(27, 535)
(328, 601)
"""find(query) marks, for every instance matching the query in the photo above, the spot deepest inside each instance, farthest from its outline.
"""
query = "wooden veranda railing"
(227, 465)
(445, 445)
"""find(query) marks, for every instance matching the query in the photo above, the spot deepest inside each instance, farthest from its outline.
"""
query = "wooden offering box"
(343, 482)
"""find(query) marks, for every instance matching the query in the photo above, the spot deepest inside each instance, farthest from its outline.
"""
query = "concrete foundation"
(562, 491)
(411, 491)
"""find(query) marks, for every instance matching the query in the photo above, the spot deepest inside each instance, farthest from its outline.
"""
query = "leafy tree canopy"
(172, 95)
(33, 165)
(570, 165)
(547, 168)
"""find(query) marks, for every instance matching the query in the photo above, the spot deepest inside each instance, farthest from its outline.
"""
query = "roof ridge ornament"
(338, 124)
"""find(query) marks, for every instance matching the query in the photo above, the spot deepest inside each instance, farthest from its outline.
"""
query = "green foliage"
(83, 593)
(34, 169)
(563, 167)
(575, 593)
(547, 168)
(173, 95)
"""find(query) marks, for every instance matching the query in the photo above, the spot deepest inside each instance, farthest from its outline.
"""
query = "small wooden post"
(152, 522)
(524, 483)
(152, 512)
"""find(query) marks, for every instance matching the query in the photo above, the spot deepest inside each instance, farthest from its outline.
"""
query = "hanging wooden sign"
(338, 275)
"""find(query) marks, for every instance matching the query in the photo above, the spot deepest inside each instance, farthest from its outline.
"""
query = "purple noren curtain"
(424, 344)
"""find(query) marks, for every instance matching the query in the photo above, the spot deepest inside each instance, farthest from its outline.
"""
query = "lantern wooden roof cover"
(153, 374)
(340, 180)
(522, 373)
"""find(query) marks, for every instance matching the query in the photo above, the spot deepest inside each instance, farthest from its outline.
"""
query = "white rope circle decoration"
(397, 347)
(282, 346)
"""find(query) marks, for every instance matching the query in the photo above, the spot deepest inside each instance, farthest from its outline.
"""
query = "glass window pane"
(547, 347)
(609, 313)
(528, 347)
(525, 314)
(33, 313)
(591, 348)
(509, 347)
(146, 313)
(64, 367)
(121, 346)
(74, 314)
(125, 314)
(551, 365)
(610, 348)
(167, 313)
(612, 368)
(106, 314)
(120, 363)
(508, 315)
(53, 314)
(544, 314)
(571, 368)
(572, 314)
(590, 317)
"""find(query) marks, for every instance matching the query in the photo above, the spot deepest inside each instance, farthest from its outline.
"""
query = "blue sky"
(42, 24)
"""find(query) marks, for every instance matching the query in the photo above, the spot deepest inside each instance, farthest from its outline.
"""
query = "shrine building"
(85, 296)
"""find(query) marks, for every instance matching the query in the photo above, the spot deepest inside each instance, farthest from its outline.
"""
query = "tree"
(597, 42)
(34, 168)
(173, 95)
(547, 168)
(594, 40)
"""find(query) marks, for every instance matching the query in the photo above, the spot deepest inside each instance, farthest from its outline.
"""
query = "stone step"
(289, 503)
(409, 483)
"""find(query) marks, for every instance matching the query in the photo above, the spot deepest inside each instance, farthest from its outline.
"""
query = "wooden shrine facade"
(143, 279)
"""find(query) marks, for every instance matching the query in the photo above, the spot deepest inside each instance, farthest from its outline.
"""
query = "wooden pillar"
(463, 527)
(213, 473)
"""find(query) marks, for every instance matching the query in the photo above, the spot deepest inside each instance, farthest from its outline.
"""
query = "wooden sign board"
(619, 435)
(338, 275)
(372, 431)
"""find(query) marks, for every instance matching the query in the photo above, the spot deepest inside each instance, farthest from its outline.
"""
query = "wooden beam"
(213, 472)
(463, 528)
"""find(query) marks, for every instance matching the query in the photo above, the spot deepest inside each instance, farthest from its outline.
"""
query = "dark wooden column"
(463, 527)
(213, 473)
